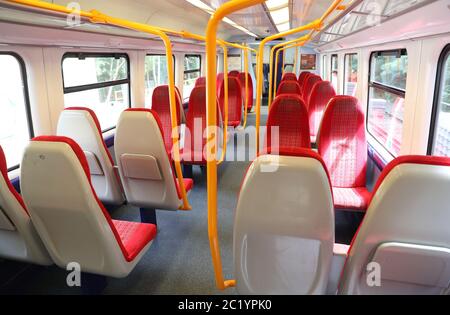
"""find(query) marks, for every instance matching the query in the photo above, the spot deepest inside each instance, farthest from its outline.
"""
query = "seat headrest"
(297, 152)
(73, 145)
(90, 111)
(410, 159)
(148, 111)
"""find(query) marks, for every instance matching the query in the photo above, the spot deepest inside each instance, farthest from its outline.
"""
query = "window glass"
(15, 127)
(234, 63)
(155, 75)
(99, 82)
(351, 74)
(441, 137)
(192, 71)
(386, 98)
(334, 72)
(324, 67)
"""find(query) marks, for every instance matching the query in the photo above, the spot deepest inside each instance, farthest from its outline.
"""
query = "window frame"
(345, 69)
(331, 64)
(444, 56)
(163, 55)
(26, 96)
(389, 89)
(192, 70)
(93, 86)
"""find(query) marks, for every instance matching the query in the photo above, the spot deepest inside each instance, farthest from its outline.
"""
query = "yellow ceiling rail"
(211, 36)
(98, 17)
(277, 54)
(313, 26)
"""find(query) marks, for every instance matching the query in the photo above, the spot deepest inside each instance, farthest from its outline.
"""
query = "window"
(324, 67)
(100, 82)
(351, 74)
(334, 71)
(288, 68)
(387, 84)
(155, 74)
(234, 63)
(192, 71)
(15, 116)
(440, 132)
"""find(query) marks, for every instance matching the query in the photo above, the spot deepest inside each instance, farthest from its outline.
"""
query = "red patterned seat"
(200, 81)
(289, 77)
(289, 87)
(289, 114)
(195, 137)
(302, 78)
(308, 85)
(234, 101)
(342, 145)
(161, 105)
(250, 89)
(321, 94)
(233, 73)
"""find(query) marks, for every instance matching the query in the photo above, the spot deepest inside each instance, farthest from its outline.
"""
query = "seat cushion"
(357, 198)
(134, 236)
(188, 184)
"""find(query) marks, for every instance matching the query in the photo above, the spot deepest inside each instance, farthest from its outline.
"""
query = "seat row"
(284, 229)
(65, 177)
(341, 139)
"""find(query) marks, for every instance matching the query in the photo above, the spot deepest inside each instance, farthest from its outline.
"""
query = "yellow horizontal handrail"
(98, 17)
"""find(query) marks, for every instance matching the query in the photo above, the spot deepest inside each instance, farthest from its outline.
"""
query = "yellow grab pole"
(315, 25)
(284, 62)
(246, 87)
(277, 53)
(97, 17)
(272, 86)
(211, 36)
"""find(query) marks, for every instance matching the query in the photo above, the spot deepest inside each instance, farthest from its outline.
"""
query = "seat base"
(356, 198)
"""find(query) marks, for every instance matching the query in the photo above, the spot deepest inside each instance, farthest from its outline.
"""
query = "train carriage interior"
(214, 147)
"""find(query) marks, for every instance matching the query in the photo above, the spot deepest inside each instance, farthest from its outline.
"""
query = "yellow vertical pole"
(211, 30)
(246, 87)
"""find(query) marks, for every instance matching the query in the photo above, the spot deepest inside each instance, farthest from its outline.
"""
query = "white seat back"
(284, 226)
(72, 223)
(18, 238)
(144, 165)
(403, 244)
(81, 125)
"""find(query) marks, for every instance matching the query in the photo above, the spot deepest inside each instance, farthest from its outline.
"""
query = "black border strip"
(193, 70)
(445, 54)
(26, 96)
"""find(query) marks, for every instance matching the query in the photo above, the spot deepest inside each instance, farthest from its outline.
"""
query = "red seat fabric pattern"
(289, 114)
(233, 73)
(134, 236)
(188, 184)
(321, 95)
(302, 78)
(195, 137)
(308, 86)
(4, 173)
(289, 77)
(289, 87)
(161, 105)
(146, 231)
(343, 146)
(250, 89)
(234, 101)
(351, 198)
